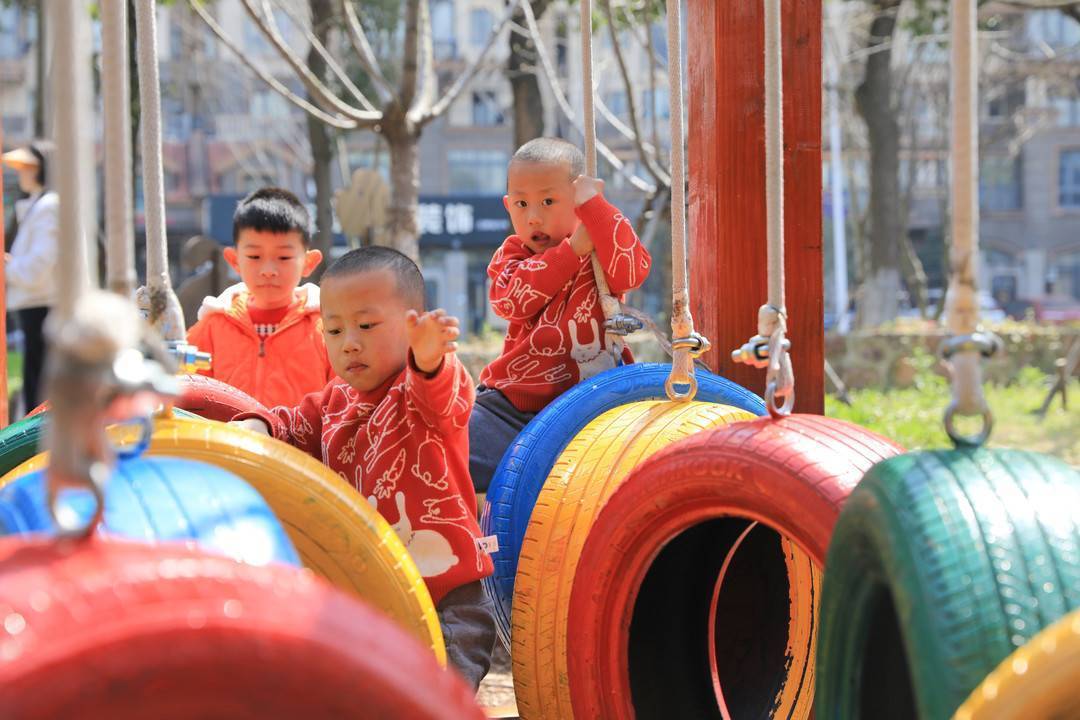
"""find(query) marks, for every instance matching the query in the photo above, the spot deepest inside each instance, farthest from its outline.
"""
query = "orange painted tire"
(171, 633)
(641, 601)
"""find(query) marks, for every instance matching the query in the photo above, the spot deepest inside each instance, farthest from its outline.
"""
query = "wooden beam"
(726, 77)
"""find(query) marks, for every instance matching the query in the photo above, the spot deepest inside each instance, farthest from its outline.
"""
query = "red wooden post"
(726, 77)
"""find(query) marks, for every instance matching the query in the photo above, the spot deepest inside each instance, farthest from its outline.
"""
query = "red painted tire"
(644, 588)
(214, 400)
(170, 633)
(43, 407)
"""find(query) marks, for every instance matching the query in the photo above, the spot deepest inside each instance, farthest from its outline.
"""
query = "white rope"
(158, 298)
(70, 54)
(682, 323)
(116, 102)
(608, 304)
(960, 305)
(769, 348)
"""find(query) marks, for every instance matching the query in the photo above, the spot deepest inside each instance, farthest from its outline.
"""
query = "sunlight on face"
(271, 265)
(364, 325)
(540, 200)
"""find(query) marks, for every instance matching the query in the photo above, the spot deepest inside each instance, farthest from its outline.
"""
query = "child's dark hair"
(272, 209)
(549, 150)
(410, 281)
(42, 171)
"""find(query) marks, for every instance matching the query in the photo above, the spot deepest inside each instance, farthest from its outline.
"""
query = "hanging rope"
(608, 303)
(116, 102)
(769, 348)
(965, 347)
(685, 343)
(157, 299)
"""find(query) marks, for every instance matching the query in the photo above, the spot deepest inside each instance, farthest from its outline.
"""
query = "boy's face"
(540, 200)
(271, 265)
(364, 326)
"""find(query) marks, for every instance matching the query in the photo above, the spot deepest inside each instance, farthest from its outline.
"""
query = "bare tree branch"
(564, 105)
(323, 95)
(429, 81)
(409, 57)
(470, 72)
(324, 53)
(343, 123)
(648, 159)
(360, 44)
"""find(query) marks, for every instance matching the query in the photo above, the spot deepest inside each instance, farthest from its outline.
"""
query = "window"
(485, 109)
(1000, 186)
(1069, 179)
(480, 26)
(1052, 28)
(1067, 110)
(616, 102)
(658, 105)
(477, 171)
(12, 43)
(442, 29)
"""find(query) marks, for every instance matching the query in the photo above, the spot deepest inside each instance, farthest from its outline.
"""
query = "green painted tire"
(941, 564)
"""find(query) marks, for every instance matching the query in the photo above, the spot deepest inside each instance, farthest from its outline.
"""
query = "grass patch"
(914, 416)
(14, 372)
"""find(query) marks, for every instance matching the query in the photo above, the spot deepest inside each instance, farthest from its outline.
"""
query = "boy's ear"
(506, 202)
(229, 253)
(312, 258)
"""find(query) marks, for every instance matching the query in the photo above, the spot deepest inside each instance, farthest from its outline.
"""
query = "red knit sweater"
(405, 447)
(556, 338)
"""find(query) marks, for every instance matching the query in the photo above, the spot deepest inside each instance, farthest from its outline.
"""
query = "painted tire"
(213, 399)
(162, 500)
(240, 641)
(1040, 680)
(641, 601)
(335, 531)
(941, 565)
(590, 469)
(21, 441)
(527, 462)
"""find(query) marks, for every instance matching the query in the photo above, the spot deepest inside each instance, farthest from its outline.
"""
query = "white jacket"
(31, 271)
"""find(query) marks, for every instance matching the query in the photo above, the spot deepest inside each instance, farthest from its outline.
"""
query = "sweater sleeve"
(444, 399)
(522, 283)
(299, 426)
(624, 259)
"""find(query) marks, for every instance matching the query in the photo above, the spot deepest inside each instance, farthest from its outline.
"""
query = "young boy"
(542, 282)
(265, 334)
(394, 425)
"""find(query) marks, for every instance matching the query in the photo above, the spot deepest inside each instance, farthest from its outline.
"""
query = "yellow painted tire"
(1040, 680)
(587, 472)
(336, 532)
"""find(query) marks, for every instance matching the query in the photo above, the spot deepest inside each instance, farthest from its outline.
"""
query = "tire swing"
(529, 460)
(944, 562)
(1040, 680)
(336, 533)
(172, 633)
(696, 591)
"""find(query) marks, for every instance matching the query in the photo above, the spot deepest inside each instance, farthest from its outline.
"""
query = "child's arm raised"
(624, 259)
(523, 283)
(436, 381)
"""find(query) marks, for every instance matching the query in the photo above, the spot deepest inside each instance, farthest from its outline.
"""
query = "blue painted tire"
(528, 461)
(162, 499)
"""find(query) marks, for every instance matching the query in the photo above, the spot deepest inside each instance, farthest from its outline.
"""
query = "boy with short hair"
(542, 282)
(394, 424)
(265, 334)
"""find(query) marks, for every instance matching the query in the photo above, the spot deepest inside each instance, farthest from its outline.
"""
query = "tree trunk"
(40, 59)
(878, 298)
(403, 142)
(322, 149)
(521, 69)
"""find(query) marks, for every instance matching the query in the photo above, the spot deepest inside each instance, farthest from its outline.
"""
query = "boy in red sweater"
(542, 282)
(264, 334)
(394, 425)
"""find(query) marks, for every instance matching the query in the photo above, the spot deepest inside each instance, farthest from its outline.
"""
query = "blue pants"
(493, 425)
(468, 625)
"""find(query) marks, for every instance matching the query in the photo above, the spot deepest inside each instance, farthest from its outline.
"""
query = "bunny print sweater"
(405, 447)
(556, 334)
